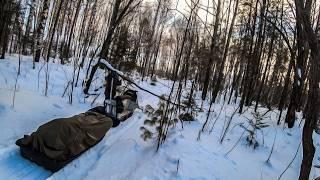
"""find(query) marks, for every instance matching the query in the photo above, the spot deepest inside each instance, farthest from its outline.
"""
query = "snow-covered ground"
(122, 154)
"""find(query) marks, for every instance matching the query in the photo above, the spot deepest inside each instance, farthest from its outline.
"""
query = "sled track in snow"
(112, 140)
(88, 160)
(14, 167)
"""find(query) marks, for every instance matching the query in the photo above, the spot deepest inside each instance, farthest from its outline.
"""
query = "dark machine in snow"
(60, 141)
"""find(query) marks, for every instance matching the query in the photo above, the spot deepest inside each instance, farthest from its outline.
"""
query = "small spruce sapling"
(257, 123)
(189, 108)
(152, 125)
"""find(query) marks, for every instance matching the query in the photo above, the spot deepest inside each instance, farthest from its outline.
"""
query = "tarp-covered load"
(58, 142)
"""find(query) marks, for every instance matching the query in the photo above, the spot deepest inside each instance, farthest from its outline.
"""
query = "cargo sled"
(60, 141)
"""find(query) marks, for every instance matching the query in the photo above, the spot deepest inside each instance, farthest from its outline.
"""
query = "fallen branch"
(236, 142)
(274, 141)
(178, 166)
(94, 100)
(65, 90)
(290, 162)
(223, 135)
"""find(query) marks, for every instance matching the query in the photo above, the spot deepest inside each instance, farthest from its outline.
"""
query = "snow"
(109, 66)
(122, 154)
(299, 73)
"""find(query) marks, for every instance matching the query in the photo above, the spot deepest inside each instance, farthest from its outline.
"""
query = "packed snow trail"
(87, 161)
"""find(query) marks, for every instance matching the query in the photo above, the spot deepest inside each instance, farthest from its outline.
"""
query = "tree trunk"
(40, 30)
(5, 21)
(26, 37)
(299, 73)
(114, 22)
(225, 54)
(67, 50)
(313, 107)
(54, 29)
(214, 40)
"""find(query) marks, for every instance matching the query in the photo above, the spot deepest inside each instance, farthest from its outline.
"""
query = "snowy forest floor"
(123, 154)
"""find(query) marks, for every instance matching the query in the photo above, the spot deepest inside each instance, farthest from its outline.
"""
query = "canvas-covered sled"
(58, 142)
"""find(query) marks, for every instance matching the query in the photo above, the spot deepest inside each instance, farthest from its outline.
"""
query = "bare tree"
(40, 30)
(116, 18)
